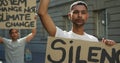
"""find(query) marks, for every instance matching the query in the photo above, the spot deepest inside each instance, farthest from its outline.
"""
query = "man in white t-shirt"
(78, 15)
(14, 47)
(71, 34)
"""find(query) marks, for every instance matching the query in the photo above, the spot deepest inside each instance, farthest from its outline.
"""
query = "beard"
(78, 22)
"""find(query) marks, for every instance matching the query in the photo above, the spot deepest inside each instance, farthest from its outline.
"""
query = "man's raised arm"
(1, 40)
(45, 17)
(31, 35)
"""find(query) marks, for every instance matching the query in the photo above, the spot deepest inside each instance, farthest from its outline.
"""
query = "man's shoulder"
(91, 36)
(7, 39)
(23, 38)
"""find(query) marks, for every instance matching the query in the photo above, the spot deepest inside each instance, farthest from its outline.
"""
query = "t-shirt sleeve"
(23, 39)
(95, 39)
(5, 40)
(59, 32)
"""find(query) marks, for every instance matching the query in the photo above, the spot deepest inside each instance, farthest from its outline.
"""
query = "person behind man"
(78, 15)
(14, 47)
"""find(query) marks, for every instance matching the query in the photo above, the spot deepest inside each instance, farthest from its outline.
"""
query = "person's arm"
(31, 35)
(108, 42)
(1, 40)
(45, 17)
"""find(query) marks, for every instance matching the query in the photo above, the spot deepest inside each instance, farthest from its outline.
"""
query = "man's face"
(14, 34)
(78, 15)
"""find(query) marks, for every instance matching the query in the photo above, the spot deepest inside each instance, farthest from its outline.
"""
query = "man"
(78, 15)
(14, 47)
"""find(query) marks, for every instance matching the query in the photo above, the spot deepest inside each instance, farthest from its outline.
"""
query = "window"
(101, 18)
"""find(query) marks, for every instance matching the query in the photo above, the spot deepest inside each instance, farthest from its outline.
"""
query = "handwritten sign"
(62, 50)
(17, 14)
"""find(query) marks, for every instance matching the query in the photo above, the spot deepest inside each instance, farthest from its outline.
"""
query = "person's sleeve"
(95, 39)
(5, 40)
(23, 40)
(59, 32)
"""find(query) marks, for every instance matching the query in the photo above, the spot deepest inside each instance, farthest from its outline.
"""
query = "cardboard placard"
(62, 50)
(18, 14)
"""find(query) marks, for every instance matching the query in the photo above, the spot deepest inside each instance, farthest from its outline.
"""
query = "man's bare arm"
(31, 35)
(45, 17)
(1, 40)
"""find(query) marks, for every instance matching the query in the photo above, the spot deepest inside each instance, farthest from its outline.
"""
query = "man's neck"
(14, 40)
(79, 31)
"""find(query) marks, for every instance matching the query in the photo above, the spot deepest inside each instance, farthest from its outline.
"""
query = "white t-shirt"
(70, 34)
(14, 51)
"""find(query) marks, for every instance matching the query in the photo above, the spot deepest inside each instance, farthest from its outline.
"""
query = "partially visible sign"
(61, 50)
(17, 14)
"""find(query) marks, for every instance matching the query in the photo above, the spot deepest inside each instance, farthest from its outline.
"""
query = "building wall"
(113, 12)
(113, 8)
(58, 10)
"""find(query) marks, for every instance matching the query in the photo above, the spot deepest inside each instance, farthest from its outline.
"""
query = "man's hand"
(108, 42)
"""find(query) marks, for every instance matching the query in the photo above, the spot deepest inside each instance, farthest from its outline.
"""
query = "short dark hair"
(78, 3)
(11, 30)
